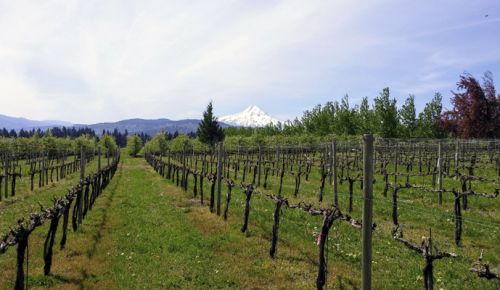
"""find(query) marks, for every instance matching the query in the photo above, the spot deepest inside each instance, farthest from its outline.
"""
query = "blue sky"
(92, 61)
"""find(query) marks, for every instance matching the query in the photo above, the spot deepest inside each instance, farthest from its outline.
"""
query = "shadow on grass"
(54, 279)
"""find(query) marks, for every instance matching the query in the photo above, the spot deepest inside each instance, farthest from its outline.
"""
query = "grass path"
(159, 239)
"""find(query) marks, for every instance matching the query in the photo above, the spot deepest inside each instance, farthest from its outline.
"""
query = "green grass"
(395, 266)
(145, 233)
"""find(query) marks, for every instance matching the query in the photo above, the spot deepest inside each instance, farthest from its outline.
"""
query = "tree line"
(72, 133)
(60, 132)
(475, 114)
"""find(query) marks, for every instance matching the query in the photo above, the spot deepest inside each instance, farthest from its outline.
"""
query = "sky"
(92, 61)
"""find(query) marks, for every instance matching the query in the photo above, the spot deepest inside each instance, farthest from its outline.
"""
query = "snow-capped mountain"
(252, 116)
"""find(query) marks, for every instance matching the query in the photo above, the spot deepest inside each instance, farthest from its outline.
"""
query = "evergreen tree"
(209, 131)
(23, 133)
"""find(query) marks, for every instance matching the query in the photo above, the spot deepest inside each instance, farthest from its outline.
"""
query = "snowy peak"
(252, 116)
(253, 109)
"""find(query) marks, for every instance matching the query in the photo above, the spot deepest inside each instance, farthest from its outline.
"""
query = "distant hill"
(27, 124)
(150, 127)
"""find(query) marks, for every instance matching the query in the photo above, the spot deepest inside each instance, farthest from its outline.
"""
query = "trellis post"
(367, 211)
(440, 175)
(6, 173)
(98, 159)
(82, 164)
(219, 175)
(260, 164)
(334, 173)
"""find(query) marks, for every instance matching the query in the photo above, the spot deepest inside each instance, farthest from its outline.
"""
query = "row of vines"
(43, 168)
(427, 188)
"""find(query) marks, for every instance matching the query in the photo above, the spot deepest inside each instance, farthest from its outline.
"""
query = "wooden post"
(98, 159)
(396, 161)
(367, 211)
(62, 172)
(282, 173)
(260, 165)
(73, 167)
(276, 161)
(184, 177)
(47, 169)
(41, 174)
(169, 170)
(330, 169)
(458, 218)
(219, 176)
(6, 175)
(440, 175)
(82, 164)
(351, 181)
(334, 173)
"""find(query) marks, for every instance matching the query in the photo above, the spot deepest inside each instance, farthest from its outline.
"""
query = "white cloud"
(89, 61)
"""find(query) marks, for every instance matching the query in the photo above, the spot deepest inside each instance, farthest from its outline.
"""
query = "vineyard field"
(153, 228)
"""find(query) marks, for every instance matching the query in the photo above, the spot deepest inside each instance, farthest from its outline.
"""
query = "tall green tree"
(320, 120)
(107, 144)
(366, 116)
(181, 143)
(386, 114)
(158, 144)
(295, 127)
(134, 145)
(408, 117)
(347, 117)
(49, 144)
(209, 131)
(429, 118)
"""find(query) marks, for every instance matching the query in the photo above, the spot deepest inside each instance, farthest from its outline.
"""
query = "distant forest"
(70, 132)
(73, 132)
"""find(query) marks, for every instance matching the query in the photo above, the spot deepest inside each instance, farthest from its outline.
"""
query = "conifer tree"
(209, 131)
